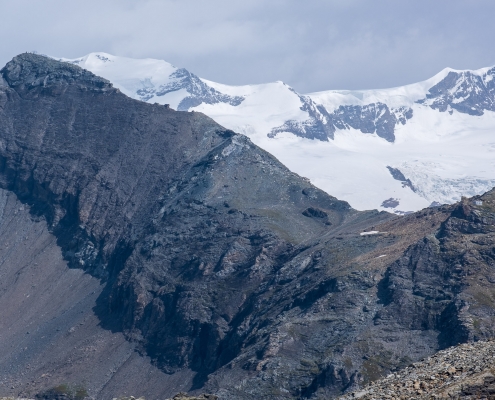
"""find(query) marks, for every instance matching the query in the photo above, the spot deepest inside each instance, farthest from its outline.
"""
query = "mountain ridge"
(121, 182)
(224, 271)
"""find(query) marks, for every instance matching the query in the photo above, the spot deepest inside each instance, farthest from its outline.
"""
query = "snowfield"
(443, 149)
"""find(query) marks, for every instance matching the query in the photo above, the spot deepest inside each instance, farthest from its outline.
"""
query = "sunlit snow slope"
(397, 149)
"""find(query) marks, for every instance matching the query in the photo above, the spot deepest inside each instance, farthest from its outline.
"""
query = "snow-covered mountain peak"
(470, 92)
(397, 149)
(400, 96)
(154, 80)
(124, 67)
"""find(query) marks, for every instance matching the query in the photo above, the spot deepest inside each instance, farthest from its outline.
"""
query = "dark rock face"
(464, 92)
(318, 126)
(315, 212)
(445, 282)
(399, 176)
(390, 203)
(215, 259)
(199, 92)
(371, 118)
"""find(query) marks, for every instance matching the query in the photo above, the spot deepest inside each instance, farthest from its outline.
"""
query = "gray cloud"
(311, 45)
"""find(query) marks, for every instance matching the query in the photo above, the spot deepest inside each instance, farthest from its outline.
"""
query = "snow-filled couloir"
(398, 149)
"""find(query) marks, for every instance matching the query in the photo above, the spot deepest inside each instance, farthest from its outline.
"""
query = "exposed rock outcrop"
(464, 91)
(462, 372)
(370, 118)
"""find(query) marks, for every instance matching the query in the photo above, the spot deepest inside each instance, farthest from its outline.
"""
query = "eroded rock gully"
(208, 258)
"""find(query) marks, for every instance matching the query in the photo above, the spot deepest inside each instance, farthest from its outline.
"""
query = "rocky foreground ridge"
(466, 371)
(145, 247)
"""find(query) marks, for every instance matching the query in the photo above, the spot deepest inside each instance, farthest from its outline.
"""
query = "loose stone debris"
(466, 372)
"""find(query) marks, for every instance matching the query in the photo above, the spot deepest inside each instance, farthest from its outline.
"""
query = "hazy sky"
(311, 45)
